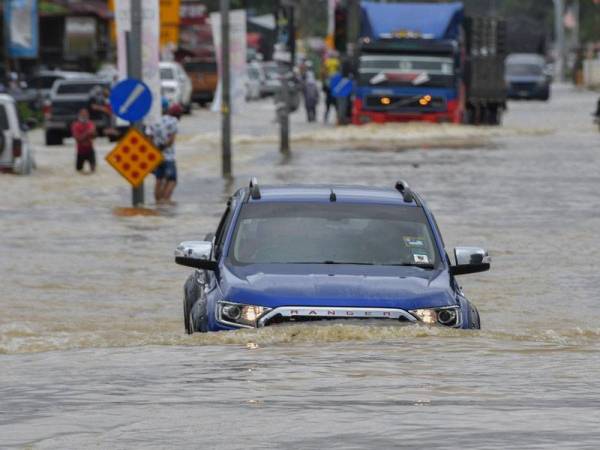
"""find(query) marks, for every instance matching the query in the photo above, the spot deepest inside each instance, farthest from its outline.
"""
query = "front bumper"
(361, 115)
(302, 314)
(527, 90)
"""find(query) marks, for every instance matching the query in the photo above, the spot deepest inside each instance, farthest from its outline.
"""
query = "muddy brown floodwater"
(92, 349)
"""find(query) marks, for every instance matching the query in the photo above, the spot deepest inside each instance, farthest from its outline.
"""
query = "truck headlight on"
(449, 317)
(245, 316)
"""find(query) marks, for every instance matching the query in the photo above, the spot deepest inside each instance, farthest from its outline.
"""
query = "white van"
(16, 154)
(176, 85)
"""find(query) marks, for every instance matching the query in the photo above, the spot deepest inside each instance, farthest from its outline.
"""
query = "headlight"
(241, 315)
(449, 317)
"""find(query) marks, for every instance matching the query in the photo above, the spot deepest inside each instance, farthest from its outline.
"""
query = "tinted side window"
(4, 125)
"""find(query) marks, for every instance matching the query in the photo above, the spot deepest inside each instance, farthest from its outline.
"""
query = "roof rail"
(254, 189)
(403, 187)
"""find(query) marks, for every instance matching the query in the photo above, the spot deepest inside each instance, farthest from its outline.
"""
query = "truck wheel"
(494, 116)
(26, 165)
(53, 137)
(186, 315)
(474, 319)
(2, 142)
(198, 317)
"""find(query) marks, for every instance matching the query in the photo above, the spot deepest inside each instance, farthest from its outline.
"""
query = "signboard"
(80, 36)
(237, 55)
(21, 28)
(131, 100)
(150, 49)
(134, 157)
(169, 23)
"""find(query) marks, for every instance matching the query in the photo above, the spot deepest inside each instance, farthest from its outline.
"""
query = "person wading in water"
(84, 132)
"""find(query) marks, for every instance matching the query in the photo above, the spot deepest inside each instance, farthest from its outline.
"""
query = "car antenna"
(254, 189)
(332, 196)
(403, 187)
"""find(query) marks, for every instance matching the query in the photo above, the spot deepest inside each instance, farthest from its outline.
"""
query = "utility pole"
(353, 30)
(226, 92)
(577, 29)
(134, 70)
(559, 31)
(283, 109)
(283, 97)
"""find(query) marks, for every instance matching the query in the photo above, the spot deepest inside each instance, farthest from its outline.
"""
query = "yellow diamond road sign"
(134, 157)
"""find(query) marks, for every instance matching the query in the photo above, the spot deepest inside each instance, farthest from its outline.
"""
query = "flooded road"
(93, 352)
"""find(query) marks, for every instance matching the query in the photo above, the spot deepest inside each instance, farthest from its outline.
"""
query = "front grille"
(279, 319)
(523, 86)
(405, 103)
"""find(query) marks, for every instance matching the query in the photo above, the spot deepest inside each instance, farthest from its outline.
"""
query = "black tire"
(545, 96)
(2, 142)
(494, 116)
(474, 318)
(53, 137)
(186, 316)
(198, 317)
(195, 315)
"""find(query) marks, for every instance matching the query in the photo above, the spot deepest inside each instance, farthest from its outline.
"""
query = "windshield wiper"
(341, 263)
(420, 266)
(338, 263)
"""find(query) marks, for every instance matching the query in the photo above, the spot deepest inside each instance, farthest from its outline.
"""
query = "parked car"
(16, 154)
(527, 76)
(43, 80)
(296, 254)
(205, 78)
(176, 86)
(66, 100)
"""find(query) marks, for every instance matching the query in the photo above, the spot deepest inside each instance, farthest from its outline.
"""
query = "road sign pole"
(226, 91)
(134, 69)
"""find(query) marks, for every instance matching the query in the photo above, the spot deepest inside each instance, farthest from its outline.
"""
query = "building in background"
(74, 34)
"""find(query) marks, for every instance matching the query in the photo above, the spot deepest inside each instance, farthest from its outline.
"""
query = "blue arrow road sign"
(131, 100)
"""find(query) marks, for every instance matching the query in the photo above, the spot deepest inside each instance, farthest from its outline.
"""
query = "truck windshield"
(524, 70)
(406, 70)
(166, 73)
(332, 233)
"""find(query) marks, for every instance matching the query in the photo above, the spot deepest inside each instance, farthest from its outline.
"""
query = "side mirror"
(470, 260)
(195, 254)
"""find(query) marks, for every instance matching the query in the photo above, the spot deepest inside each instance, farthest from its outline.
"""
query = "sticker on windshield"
(421, 259)
(413, 242)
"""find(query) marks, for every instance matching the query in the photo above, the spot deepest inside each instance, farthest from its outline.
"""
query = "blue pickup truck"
(293, 254)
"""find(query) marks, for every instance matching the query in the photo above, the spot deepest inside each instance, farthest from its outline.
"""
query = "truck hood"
(337, 286)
